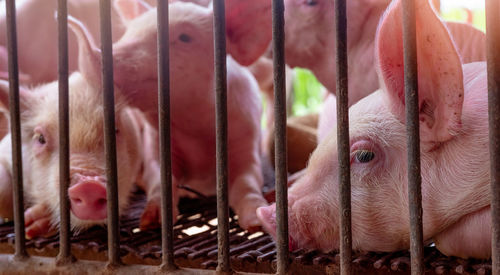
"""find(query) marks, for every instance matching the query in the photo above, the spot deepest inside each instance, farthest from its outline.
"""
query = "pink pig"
(454, 154)
(193, 104)
(87, 191)
(37, 35)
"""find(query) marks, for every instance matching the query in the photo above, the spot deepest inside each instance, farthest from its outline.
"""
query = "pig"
(37, 46)
(87, 190)
(454, 154)
(193, 105)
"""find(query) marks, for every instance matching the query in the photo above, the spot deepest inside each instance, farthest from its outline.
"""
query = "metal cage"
(65, 261)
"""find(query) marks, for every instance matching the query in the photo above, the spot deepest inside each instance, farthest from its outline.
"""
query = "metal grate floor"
(196, 247)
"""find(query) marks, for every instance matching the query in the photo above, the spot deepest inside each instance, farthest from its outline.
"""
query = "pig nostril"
(101, 202)
(77, 201)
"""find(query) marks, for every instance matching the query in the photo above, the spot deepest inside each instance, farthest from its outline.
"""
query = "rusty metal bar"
(64, 256)
(493, 54)
(165, 141)
(109, 133)
(15, 128)
(413, 138)
(221, 137)
(278, 45)
(343, 138)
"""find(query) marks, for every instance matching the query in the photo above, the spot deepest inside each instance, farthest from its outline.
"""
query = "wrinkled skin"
(193, 106)
(454, 154)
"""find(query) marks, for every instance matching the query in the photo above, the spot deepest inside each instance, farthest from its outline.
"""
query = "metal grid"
(220, 71)
(199, 251)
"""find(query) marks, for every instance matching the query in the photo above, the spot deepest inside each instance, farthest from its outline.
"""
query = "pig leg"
(6, 207)
(470, 237)
(149, 181)
(38, 221)
(245, 197)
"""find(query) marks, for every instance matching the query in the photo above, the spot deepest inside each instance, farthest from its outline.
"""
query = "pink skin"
(454, 154)
(88, 197)
(193, 106)
(87, 164)
(308, 33)
(42, 68)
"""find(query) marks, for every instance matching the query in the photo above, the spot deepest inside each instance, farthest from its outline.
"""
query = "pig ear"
(130, 9)
(248, 28)
(440, 78)
(89, 56)
(24, 97)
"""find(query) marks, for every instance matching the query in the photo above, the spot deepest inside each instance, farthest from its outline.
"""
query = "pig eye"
(185, 38)
(364, 156)
(311, 2)
(41, 139)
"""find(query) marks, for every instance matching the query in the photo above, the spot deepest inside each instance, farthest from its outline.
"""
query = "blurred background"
(307, 90)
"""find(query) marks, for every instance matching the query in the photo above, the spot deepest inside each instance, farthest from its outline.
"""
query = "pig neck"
(362, 24)
(458, 182)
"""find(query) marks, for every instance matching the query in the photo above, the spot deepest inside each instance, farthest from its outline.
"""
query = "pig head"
(40, 141)
(454, 154)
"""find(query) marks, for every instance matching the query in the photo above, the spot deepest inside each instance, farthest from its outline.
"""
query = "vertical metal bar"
(221, 136)
(278, 45)
(64, 256)
(493, 54)
(15, 128)
(413, 139)
(343, 138)
(165, 143)
(109, 133)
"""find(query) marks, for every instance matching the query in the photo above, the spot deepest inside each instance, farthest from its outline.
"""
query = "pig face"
(452, 104)
(40, 138)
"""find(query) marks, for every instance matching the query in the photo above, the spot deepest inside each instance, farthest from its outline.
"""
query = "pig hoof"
(38, 222)
(248, 220)
(151, 217)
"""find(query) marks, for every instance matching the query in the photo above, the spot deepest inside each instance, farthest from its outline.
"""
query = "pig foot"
(38, 221)
(470, 237)
(247, 216)
(245, 197)
(151, 216)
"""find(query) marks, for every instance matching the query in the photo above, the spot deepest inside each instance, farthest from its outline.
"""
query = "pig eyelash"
(364, 156)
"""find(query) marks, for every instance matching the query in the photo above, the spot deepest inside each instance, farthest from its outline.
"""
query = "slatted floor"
(196, 247)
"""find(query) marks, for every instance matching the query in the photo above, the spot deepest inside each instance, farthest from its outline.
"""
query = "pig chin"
(305, 231)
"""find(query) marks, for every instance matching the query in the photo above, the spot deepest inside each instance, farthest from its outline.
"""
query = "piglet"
(193, 104)
(40, 142)
(37, 35)
(454, 154)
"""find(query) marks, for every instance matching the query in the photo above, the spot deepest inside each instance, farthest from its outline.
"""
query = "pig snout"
(88, 198)
(267, 216)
